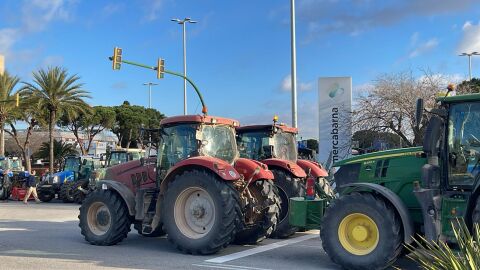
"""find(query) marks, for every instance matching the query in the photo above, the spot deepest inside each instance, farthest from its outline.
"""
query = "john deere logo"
(336, 91)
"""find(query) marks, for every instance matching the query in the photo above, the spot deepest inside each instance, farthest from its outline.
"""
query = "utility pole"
(469, 62)
(294, 65)
(183, 23)
(150, 93)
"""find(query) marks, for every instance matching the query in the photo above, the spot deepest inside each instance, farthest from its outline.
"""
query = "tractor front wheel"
(288, 187)
(264, 213)
(45, 195)
(66, 192)
(361, 231)
(104, 218)
(200, 213)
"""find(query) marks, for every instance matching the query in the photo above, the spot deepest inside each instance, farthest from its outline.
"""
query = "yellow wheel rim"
(358, 234)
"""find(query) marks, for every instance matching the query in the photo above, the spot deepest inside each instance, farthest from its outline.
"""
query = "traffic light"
(117, 58)
(18, 100)
(160, 68)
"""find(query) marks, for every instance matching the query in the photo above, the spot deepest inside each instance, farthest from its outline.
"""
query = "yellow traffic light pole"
(160, 68)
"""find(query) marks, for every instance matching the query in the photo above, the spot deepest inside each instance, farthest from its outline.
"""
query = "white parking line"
(228, 266)
(256, 250)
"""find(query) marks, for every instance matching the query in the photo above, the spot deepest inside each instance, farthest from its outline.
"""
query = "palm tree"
(60, 151)
(57, 93)
(7, 103)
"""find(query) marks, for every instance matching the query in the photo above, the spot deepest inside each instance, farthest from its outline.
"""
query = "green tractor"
(387, 198)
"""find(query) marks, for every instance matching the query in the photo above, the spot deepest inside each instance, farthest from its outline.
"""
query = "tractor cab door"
(176, 144)
(463, 145)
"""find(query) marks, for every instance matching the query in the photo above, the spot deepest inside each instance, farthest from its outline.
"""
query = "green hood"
(411, 151)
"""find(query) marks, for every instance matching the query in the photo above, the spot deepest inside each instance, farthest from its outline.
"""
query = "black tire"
(266, 192)
(222, 197)
(476, 213)
(95, 228)
(156, 233)
(288, 187)
(78, 195)
(66, 192)
(390, 234)
(45, 195)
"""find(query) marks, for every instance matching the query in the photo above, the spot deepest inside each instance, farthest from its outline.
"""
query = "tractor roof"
(199, 119)
(459, 98)
(251, 128)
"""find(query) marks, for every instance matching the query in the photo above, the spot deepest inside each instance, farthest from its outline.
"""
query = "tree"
(389, 106)
(60, 151)
(468, 87)
(58, 93)
(86, 125)
(7, 104)
(25, 113)
(130, 119)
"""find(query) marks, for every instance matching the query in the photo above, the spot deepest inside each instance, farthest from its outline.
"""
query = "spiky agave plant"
(440, 256)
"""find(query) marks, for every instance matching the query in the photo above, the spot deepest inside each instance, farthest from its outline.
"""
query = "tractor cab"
(120, 156)
(451, 175)
(268, 141)
(183, 137)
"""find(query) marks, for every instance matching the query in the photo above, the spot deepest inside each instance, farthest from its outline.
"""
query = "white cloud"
(153, 7)
(286, 85)
(113, 8)
(414, 38)
(470, 41)
(52, 60)
(424, 47)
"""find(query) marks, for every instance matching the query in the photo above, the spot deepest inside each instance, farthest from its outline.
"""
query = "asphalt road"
(46, 236)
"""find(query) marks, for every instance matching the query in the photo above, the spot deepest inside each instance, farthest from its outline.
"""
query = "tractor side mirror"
(419, 112)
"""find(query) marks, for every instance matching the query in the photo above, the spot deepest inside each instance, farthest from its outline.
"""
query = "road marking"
(228, 266)
(256, 250)
(13, 229)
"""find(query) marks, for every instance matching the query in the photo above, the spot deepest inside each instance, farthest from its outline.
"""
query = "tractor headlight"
(55, 179)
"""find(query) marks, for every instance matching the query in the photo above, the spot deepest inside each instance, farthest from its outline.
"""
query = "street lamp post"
(294, 65)
(183, 23)
(469, 62)
(150, 93)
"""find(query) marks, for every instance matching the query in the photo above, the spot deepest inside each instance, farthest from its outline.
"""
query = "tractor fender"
(290, 166)
(122, 190)
(393, 198)
(247, 167)
(217, 166)
(315, 169)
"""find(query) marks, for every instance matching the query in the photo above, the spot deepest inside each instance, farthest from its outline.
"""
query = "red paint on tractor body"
(133, 174)
(220, 167)
(290, 166)
(199, 119)
(316, 170)
(247, 167)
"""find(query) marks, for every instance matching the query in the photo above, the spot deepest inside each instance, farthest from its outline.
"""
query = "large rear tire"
(361, 231)
(200, 213)
(265, 221)
(288, 187)
(66, 192)
(104, 218)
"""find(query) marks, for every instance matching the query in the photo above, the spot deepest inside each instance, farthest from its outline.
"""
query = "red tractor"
(198, 191)
(275, 146)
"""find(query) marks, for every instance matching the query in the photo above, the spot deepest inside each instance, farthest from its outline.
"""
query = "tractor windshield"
(16, 165)
(219, 141)
(255, 145)
(72, 164)
(285, 146)
(118, 158)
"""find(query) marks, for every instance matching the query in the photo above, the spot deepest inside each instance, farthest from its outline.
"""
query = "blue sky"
(239, 51)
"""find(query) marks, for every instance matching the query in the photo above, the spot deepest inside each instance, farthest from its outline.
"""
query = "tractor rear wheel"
(361, 231)
(264, 215)
(66, 192)
(288, 187)
(200, 212)
(45, 195)
(104, 218)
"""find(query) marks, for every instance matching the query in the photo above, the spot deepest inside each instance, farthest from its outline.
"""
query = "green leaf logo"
(336, 91)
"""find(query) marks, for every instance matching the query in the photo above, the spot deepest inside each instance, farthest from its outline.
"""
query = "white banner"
(335, 128)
